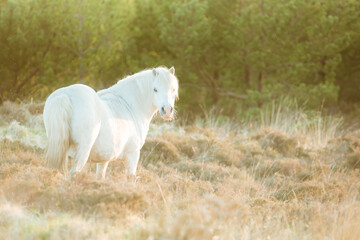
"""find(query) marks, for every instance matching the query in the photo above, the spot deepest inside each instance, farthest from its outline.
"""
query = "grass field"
(287, 176)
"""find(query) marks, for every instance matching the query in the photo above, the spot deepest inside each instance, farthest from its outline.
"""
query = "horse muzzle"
(167, 113)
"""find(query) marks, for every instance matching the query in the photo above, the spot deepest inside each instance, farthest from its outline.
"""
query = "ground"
(212, 179)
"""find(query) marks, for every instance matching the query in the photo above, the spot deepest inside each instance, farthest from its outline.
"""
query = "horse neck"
(137, 93)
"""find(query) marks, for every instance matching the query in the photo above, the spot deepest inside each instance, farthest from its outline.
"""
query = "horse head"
(165, 89)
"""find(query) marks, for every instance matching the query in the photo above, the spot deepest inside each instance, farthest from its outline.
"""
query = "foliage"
(233, 54)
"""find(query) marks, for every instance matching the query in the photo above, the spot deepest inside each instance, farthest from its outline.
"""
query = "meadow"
(241, 161)
(286, 176)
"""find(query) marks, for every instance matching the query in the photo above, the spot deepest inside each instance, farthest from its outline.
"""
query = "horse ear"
(172, 70)
(155, 73)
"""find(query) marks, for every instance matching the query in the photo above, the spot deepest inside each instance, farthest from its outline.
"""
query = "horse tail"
(57, 119)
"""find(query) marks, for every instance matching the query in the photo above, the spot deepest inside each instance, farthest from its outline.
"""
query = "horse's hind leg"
(101, 169)
(132, 159)
(83, 149)
(81, 157)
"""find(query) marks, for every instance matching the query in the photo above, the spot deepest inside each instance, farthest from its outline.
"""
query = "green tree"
(27, 36)
(232, 54)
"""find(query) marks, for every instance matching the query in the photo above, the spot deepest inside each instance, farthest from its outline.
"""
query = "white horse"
(109, 124)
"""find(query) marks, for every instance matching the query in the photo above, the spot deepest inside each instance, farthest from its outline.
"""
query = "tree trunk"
(260, 87)
(214, 92)
(247, 76)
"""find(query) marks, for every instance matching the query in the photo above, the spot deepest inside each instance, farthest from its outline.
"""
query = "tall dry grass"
(315, 129)
(289, 176)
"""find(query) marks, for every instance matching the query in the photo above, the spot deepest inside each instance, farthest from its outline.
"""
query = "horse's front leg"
(132, 159)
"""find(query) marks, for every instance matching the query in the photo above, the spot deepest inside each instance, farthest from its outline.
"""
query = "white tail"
(57, 117)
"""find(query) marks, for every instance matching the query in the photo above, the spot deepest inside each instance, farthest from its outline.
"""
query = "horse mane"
(141, 80)
(119, 88)
(139, 76)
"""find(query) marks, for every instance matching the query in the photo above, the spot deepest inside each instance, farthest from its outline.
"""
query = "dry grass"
(211, 180)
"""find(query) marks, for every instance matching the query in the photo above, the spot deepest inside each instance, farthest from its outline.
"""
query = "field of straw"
(286, 176)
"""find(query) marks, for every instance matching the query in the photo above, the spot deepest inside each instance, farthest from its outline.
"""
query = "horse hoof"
(134, 178)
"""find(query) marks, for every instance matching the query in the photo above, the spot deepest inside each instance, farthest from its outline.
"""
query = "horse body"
(107, 125)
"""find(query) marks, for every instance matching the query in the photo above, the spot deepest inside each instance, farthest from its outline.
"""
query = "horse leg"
(81, 157)
(101, 169)
(132, 159)
(84, 134)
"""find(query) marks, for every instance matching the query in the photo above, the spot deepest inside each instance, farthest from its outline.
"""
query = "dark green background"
(235, 55)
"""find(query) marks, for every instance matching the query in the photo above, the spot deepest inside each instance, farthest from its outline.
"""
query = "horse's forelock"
(169, 78)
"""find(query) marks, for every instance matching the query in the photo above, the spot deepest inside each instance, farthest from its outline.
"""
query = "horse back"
(86, 111)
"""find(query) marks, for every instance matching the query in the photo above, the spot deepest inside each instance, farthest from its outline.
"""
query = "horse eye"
(155, 90)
